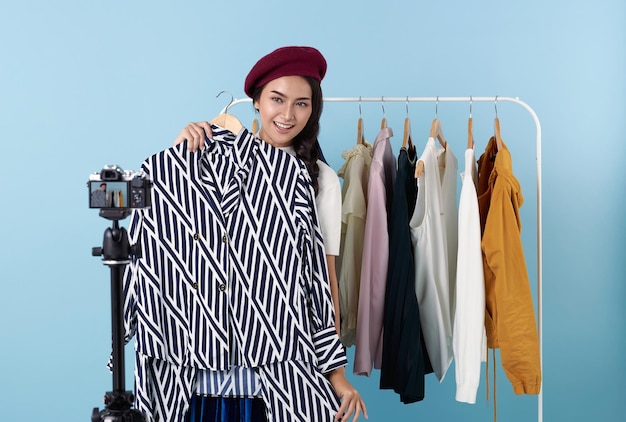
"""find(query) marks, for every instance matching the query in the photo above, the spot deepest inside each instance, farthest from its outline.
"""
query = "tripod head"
(116, 249)
(117, 252)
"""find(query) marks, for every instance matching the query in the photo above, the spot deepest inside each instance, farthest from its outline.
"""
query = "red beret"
(285, 61)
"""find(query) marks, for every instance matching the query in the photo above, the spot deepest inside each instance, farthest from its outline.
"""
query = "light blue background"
(84, 84)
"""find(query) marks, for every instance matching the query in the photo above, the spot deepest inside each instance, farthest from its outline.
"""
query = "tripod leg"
(117, 324)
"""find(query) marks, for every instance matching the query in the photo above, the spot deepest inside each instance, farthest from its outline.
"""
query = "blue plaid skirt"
(225, 409)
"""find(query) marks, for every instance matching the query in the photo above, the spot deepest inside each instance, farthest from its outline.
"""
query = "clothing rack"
(470, 100)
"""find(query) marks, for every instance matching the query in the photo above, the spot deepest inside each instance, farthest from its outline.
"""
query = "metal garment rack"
(495, 100)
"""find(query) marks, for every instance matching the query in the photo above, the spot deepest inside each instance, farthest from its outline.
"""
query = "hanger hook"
(470, 106)
(437, 107)
(360, 106)
(232, 99)
(495, 105)
(382, 104)
(407, 106)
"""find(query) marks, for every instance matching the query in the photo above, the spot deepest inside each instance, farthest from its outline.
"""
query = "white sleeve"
(328, 203)
(469, 321)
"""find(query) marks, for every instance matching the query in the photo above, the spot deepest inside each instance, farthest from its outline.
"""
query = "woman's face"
(284, 109)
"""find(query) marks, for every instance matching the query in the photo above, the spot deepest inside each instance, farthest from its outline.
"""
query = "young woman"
(285, 89)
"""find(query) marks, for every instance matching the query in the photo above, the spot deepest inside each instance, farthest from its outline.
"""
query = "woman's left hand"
(351, 402)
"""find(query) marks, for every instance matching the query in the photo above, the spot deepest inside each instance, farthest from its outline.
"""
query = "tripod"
(116, 252)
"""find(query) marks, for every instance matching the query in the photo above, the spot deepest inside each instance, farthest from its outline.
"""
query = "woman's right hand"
(194, 134)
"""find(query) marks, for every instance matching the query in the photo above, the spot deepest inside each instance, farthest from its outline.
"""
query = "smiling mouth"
(283, 126)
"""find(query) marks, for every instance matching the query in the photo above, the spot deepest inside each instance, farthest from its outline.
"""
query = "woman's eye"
(303, 104)
(277, 99)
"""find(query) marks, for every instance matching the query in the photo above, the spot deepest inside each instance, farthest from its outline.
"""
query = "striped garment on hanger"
(232, 272)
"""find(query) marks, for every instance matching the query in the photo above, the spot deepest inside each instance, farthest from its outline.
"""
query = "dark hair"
(305, 144)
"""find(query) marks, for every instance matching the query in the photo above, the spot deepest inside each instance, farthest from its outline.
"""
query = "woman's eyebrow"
(284, 96)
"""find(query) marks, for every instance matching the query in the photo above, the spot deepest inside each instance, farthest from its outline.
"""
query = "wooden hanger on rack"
(383, 122)
(406, 138)
(496, 126)
(435, 128)
(227, 121)
(437, 132)
(496, 130)
(360, 138)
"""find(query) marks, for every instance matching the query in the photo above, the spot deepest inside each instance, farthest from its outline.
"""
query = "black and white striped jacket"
(231, 252)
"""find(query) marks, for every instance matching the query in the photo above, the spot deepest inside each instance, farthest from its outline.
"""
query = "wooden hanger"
(496, 130)
(225, 120)
(496, 126)
(383, 122)
(437, 132)
(406, 139)
(360, 139)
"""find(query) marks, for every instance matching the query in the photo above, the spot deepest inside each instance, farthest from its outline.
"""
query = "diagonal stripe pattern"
(232, 260)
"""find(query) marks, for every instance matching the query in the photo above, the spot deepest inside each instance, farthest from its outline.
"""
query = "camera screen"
(109, 194)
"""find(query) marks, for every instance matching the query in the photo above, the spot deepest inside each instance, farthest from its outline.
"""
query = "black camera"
(113, 187)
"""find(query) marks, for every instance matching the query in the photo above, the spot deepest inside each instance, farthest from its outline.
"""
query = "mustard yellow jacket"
(509, 317)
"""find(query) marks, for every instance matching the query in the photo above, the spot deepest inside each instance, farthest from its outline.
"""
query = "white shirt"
(469, 339)
(328, 203)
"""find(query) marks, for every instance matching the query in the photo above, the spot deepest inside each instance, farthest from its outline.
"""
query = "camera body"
(114, 188)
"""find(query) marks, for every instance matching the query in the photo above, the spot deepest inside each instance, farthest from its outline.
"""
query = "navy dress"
(405, 360)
